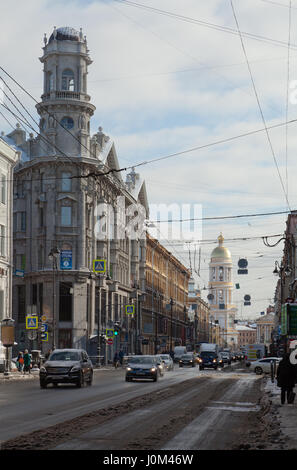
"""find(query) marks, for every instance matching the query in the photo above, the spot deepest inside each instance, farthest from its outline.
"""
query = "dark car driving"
(208, 359)
(67, 366)
(142, 367)
(187, 360)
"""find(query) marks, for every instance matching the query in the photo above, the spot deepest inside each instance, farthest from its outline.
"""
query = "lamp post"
(53, 256)
(171, 311)
(282, 271)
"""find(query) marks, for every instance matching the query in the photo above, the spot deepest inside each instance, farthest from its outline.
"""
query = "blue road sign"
(99, 265)
(66, 259)
(32, 322)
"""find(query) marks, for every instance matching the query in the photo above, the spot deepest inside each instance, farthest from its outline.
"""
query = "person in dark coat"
(286, 378)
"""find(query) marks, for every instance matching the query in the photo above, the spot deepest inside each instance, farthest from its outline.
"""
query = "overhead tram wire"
(287, 96)
(206, 24)
(146, 162)
(92, 174)
(259, 104)
(26, 110)
(222, 217)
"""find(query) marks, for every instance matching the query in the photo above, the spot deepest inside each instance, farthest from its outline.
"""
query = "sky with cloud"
(161, 85)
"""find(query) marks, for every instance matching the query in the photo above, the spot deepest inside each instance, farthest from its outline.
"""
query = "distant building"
(164, 314)
(246, 335)
(265, 326)
(220, 292)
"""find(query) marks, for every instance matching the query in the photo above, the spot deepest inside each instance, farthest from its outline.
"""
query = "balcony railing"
(65, 95)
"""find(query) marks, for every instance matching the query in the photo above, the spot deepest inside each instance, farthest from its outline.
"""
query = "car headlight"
(153, 369)
(191, 360)
(214, 360)
(128, 368)
(75, 369)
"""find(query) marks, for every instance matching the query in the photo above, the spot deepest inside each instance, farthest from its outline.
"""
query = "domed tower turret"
(220, 289)
(65, 108)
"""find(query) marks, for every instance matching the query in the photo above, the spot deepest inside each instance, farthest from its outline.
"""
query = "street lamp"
(171, 309)
(53, 256)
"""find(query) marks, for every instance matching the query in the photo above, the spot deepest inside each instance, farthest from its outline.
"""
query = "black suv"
(67, 366)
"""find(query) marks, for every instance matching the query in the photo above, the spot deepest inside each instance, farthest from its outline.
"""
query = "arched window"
(221, 273)
(68, 80)
(67, 122)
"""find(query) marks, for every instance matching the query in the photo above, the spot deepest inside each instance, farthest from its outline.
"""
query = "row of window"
(20, 219)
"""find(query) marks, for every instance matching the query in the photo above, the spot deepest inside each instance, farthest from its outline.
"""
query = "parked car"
(142, 367)
(226, 357)
(169, 365)
(67, 366)
(161, 364)
(187, 360)
(264, 365)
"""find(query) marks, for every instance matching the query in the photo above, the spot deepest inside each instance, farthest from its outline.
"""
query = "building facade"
(165, 322)
(246, 335)
(72, 207)
(8, 159)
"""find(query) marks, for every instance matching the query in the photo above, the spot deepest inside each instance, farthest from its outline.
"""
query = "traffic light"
(117, 328)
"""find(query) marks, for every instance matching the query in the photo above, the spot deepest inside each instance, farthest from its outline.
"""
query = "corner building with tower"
(55, 215)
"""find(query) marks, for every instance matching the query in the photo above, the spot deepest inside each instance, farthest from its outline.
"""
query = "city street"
(185, 409)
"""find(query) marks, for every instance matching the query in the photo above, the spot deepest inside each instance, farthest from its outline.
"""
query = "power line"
(223, 217)
(258, 102)
(287, 97)
(205, 24)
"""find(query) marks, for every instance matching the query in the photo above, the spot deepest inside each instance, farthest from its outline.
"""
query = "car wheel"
(43, 384)
(201, 367)
(80, 382)
(258, 370)
(55, 384)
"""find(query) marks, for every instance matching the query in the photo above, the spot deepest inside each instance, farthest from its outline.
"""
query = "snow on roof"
(244, 327)
(10, 142)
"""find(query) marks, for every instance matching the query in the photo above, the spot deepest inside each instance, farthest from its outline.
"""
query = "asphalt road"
(24, 407)
(186, 409)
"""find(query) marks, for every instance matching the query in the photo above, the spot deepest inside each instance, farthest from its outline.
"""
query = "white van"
(178, 352)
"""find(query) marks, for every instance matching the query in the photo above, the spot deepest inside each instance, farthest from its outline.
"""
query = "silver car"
(167, 361)
(161, 364)
(264, 365)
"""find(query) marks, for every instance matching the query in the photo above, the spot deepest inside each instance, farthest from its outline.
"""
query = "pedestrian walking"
(116, 360)
(27, 362)
(286, 379)
(20, 362)
(121, 356)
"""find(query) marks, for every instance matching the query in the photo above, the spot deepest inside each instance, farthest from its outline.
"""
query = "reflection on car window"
(164, 357)
(64, 356)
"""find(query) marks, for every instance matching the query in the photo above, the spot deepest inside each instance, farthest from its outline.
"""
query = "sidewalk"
(285, 414)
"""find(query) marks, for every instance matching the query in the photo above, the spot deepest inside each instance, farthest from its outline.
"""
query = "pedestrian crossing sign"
(99, 265)
(109, 332)
(32, 322)
(129, 309)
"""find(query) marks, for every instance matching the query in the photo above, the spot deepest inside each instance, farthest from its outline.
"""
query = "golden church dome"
(221, 251)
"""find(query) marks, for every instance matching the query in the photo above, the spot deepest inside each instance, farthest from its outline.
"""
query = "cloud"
(161, 85)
